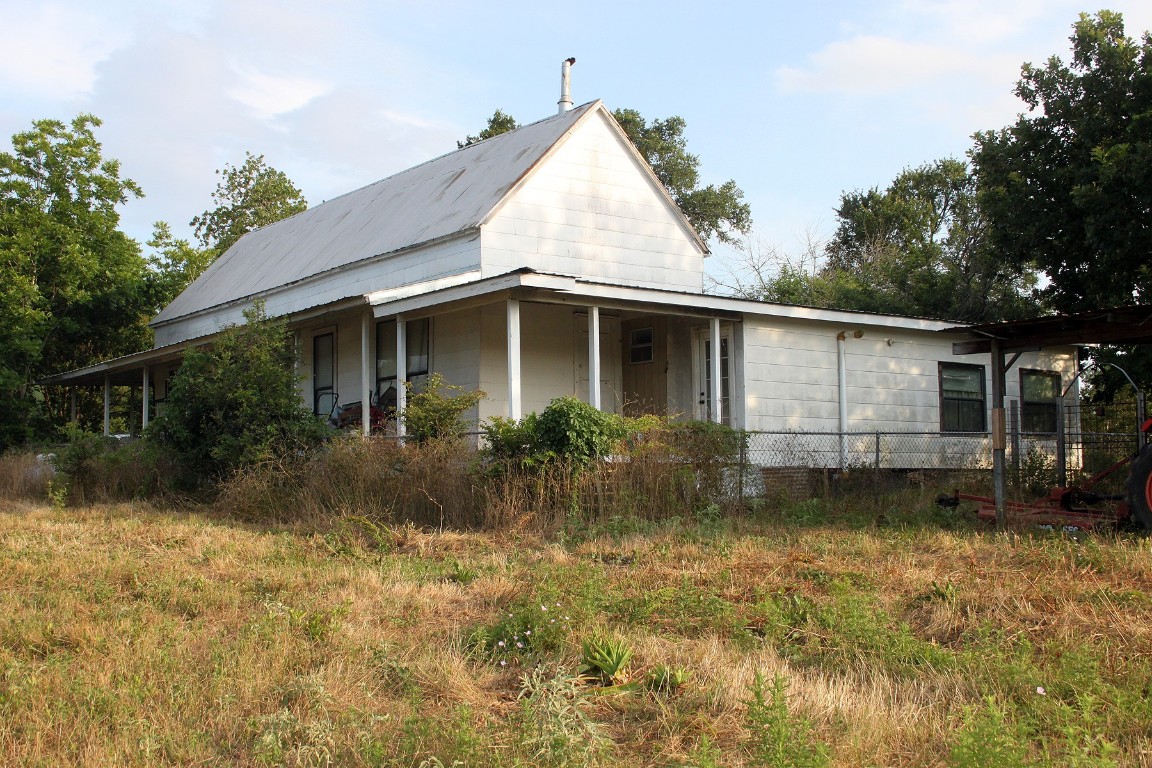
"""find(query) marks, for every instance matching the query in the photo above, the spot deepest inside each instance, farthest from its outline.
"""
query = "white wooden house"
(535, 262)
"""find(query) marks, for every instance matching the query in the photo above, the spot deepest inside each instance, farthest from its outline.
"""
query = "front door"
(645, 366)
(702, 358)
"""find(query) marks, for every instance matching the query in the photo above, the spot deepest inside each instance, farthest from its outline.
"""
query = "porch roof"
(567, 289)
(1117, 325)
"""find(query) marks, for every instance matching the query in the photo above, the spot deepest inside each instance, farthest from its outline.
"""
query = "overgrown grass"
(795, 635)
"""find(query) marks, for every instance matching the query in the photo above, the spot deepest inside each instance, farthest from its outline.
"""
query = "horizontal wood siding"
(591, 210)
(548, 362)
(892, 376)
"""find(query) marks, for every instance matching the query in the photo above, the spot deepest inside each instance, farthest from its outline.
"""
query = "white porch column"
(365, 373)
(714, 372)
(401, 374)
(514, 407)
(594, 357)
(146, 401)
(107, 405)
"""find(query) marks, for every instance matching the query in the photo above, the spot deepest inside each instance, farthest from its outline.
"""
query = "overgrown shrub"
(235, 403)
(376, 481)
(93, 468)
(577, 431)
(437, 411)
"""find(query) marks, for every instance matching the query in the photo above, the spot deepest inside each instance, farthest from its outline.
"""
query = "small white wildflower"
(501, 643)
(1040, 690)
(519, 645)
(527, 633)
(544, 608)
(503, 663)
(551, 621)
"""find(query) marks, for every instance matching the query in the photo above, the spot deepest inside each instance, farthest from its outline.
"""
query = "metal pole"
(998, 431)
(514, 404)
(144, 413)
(366, 373)
(1014, 434)
(107, 405)
(1142, 438)
(1061, 445)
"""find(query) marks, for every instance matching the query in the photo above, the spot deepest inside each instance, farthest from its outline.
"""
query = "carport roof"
(1118, 325)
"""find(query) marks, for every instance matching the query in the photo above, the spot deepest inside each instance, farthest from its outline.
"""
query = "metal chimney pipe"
(565, 102)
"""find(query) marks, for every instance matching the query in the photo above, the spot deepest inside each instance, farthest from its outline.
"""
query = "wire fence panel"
(870, 450)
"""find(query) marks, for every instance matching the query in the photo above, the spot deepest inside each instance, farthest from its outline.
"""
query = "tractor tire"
(1139, 487)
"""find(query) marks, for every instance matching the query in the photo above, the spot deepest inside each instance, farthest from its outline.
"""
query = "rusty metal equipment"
(1080, 506)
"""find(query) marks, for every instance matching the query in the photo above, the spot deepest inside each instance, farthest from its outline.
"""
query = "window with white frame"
(962, 401)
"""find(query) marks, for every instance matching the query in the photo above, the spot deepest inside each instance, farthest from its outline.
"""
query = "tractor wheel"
(1139, 487)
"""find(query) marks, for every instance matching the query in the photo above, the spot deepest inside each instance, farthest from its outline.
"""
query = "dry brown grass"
(24, 476)
(131, 635)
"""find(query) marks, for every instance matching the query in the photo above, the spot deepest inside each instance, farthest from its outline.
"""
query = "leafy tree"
(73, 288)
(1067, 189)
(499, 123)
(714, 211)
(175, 264)
(235, 403)
(916, 248)
(919, 247)
(248, 197)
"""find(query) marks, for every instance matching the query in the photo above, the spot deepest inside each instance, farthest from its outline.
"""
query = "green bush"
(575, 431)
(235, 403)
(437, 411)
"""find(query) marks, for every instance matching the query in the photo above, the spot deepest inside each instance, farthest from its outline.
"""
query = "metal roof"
(442, 197)
(1114, 325)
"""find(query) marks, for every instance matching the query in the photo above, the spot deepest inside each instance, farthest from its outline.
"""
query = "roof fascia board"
(647, 169)
(570, 290)
(531, 170)
(747, 306)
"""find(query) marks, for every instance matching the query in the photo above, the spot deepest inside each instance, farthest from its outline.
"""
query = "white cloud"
(52, 49)
(870, 64)
(272, 95)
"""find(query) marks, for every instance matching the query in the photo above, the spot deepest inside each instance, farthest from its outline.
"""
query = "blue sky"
(795, 101)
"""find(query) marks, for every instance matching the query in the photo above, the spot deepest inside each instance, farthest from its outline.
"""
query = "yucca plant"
(606, 660)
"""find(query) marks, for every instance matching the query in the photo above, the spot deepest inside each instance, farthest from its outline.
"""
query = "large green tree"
(175, 263)
(248, 196)
(73, 287)
(1067, 189)
(917, 247)
(714, 211)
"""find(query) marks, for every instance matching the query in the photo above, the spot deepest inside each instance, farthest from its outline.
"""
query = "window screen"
(962, 398)
(1038, 393)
